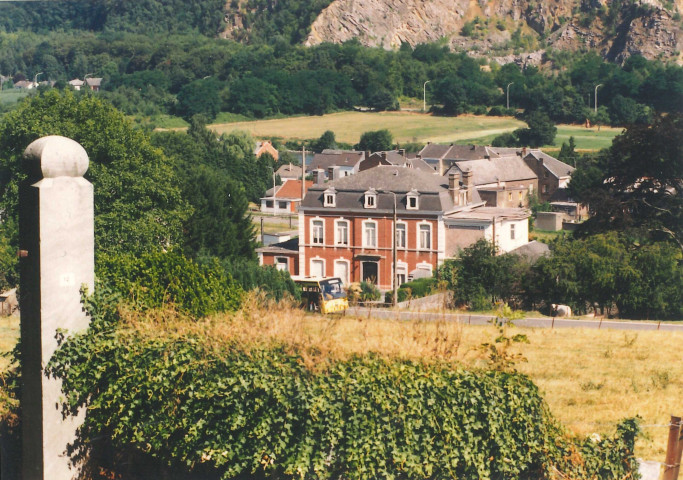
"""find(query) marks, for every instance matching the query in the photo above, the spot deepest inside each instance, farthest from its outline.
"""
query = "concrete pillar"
(56, 236)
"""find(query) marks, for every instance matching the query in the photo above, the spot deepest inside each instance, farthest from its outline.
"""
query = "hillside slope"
(617, 29)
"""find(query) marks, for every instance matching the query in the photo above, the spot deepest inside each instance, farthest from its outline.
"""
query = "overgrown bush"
(183, 406)
(158, 279)
(250, 275)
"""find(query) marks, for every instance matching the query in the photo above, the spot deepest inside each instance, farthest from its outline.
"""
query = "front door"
(369, 271)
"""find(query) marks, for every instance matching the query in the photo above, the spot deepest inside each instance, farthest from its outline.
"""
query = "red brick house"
(346, 226)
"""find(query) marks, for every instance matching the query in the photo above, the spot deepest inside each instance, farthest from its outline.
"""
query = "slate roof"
(341, 159)
(289, 171)
(486, 171)
(554, 166)
(287, 247)
(532, 251)
(434, 150)
(350, 191)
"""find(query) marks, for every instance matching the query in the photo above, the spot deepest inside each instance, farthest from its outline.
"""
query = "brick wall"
(355, 253)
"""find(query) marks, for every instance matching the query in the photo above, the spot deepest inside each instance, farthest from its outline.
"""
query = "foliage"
(540, 131)
(249, 275)
(375, 141)
(138, 203)
(326, 141)
(418, 288)
(199, 97)
(161, 279)
(369, 292)
(645, 195)
(179, 404)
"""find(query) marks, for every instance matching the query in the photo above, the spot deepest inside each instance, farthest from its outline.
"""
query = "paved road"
(524, 322)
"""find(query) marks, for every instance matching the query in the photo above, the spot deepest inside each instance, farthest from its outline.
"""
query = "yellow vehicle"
(324, 295)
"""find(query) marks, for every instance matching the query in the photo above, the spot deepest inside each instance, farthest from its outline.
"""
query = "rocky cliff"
(616, 28)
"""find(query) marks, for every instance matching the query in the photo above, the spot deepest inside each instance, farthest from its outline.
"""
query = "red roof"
(292, 189)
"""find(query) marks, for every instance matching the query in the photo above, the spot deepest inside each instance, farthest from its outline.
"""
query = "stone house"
(285, 198)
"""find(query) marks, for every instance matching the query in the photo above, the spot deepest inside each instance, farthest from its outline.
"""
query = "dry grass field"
(410, 127)
(590, 378)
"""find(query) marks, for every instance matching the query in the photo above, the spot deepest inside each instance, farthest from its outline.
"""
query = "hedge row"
(180, 405)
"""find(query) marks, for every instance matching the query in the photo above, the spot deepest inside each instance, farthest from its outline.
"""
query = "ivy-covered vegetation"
(182, 405)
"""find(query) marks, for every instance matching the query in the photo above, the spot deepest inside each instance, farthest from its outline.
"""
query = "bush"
(250, 275)
(158, 279)
(169, 405)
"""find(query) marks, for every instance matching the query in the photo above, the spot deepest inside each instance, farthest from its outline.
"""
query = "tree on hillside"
(642, 183)
(138, 203)
(326, 140)
(541, 130)
(199, 97)
(376, 141)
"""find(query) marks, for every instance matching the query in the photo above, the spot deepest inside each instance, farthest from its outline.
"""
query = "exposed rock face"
(644, 28)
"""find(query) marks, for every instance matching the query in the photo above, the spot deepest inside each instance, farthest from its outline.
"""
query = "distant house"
(283, 256)
(398, 158)
(93, 83)
(266, 147)
(24, 85)
(336, 163)
(289, 172)
(346, 226)
(76, 83)
(553, 175)
(285, 198)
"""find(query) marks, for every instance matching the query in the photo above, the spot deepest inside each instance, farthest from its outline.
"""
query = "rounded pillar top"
(55, 156)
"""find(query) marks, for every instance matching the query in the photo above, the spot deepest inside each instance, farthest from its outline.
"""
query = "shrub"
(168, 405)
(157, 279)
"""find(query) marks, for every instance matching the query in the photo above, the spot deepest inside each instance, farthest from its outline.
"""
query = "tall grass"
(590, 378)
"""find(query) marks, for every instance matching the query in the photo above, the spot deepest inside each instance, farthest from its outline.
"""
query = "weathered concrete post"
(56, 236)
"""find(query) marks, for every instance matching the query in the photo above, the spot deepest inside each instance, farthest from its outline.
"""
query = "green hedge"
(158, 279)
(170, 406)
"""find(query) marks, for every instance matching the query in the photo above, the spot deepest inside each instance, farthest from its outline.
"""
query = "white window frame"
(405, 235)
(370, 199)
(402, 269)
(317, 259)
(411, 198)
(419, 236)
(330, 198)
(277, 263)
(346, 280)
(365, 224)
(313, 231)
(337, 239)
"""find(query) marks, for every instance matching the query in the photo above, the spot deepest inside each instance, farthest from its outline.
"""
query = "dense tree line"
(185, 193)
(186, 74)
(628, 254)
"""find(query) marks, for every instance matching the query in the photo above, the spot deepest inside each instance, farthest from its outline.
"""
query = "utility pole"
(303, 174)
(508, 94)
(394, 298)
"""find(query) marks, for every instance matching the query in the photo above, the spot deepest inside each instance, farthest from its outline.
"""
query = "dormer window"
(412, 200)
(371, 198)
(330, 197)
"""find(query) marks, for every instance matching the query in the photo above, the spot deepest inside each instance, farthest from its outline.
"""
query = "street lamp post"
(35, 79)
(424, 96)
(508, 94)
(85, 80)
(275, 207)
(596, 97)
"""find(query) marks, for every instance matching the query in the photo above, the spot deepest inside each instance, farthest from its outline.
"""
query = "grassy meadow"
(411, 127)
(590, 378)
(12, 96)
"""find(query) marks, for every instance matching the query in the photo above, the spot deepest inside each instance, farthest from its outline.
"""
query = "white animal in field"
(561, 310)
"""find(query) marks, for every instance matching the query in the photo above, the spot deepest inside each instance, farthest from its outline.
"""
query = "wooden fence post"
(674, 449)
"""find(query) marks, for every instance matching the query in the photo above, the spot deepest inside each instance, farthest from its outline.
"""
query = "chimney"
(467, 184)
(523, 152)
(402, 152)
(384, 155)
(454, 187)
(318, 176)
